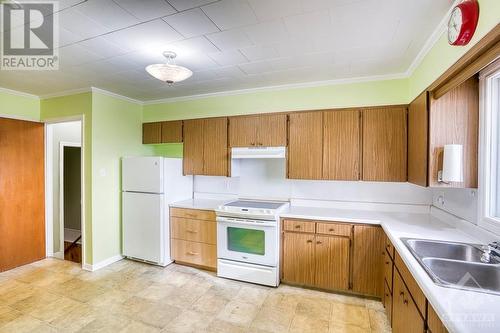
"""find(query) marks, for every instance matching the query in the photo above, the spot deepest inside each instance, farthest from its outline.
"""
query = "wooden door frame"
(49, 191)
(62, 145)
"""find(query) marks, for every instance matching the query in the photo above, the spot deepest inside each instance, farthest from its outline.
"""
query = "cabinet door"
(298, 258)
(151, 133)
(435, 324)
(341, 145)
(418, 130)
(367, 268)
(171, 131)
(384, 144)
(215, 152)
(332, 262)
(243, 131)
(405, 315)
(271, 130)
(305, 147)
(193, 147)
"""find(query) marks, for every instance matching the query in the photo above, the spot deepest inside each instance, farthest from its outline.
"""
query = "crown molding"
(280, 87)
(66, 93)
(431, 41)
(112, 94)
(18, 93)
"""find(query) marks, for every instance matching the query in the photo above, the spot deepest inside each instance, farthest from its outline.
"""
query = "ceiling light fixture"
(169, 72)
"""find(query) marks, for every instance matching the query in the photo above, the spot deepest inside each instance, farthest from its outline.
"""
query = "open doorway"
(64, 179)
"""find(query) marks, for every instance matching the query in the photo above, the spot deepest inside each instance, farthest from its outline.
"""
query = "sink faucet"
(492, 249)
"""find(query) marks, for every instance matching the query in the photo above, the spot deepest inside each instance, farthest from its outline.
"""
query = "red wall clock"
(463, 22)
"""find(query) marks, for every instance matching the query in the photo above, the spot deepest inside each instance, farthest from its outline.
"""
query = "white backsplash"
(266, 179)
(457, 201)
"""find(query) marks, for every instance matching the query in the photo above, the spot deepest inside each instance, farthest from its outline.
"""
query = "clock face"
(454, 25)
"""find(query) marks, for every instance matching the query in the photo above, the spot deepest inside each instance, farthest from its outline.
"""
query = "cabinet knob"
(309, 241)
(252, 144)
(319, 242)
(405, 301)
(401, 293)
(331, 229)
(297, 226)
(387, 263)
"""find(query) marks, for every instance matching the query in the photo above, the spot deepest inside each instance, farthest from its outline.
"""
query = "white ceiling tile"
(75, 54)
(230, 39)
(272, 9)
(230, 71)
(107, 13)
(102, 47)
(267, 32)
(309, 24)
(255, 53)
(228, 14)
(67, 37)
(228, 58)
(146, 35)
(197, 62)
(191, 23)
(80, 24)
(146, 9)
(181, 5)
(257, 67)
(192, 45)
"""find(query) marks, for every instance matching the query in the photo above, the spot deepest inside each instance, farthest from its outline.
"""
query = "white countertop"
(461, 311)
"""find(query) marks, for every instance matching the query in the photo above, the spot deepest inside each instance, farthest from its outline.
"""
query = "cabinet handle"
(401, 293)
(192, 231)
(387, 263)
(193, 253)
(252, 144)
(309, 241)
(331, 229)
(405, 301)
(318, 242)
(297, 226)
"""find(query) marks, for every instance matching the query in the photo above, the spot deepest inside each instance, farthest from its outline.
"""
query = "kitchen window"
(489, 148)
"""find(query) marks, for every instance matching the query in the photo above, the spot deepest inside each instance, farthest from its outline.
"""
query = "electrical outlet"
(440, 201)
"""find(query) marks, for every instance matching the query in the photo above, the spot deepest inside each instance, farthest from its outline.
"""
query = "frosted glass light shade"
(453, 163)
(169, 73)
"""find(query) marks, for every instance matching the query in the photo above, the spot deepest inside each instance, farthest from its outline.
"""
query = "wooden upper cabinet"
(215, 151)
(305, 146)
(418, 132)
(384, 144)
(272, 130)
(367, 264)
(243, 131)
(454, 119)
(171, 131)
(332, 262)
(298, 259)
(258, 130)
(193, 147)
(341, 145)
(151, 133)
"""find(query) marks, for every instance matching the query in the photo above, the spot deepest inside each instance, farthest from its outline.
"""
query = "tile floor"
(58, 296)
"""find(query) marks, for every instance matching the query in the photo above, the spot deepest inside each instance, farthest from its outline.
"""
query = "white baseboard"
(102, 264)
(58, 255)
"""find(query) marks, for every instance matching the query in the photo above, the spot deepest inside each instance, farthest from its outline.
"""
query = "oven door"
(245, 240)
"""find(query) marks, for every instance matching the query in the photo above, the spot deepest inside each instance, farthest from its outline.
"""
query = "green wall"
(18, 106)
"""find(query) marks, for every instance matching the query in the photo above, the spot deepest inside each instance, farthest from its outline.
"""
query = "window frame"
(487, 145)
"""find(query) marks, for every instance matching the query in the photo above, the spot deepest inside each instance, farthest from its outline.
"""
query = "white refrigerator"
(149, 185)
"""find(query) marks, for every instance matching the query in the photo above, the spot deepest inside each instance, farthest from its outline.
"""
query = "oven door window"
(246, 240)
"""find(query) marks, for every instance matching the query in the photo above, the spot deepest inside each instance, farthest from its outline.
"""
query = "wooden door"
(22, 193)
(193, 147)
(367, 267)
(418, 131)
(341, 145)
(332, 262)
(405, 315)
(298, 258)
(215, 152)
(454, 119)
(384, 144)
(151, 133)
(243, 131)
(272, 130)
(305, 146)
(171, 131)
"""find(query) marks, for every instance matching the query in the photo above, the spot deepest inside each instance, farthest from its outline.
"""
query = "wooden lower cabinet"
(195, 253)
(405, 315)
(298, 258)
(367, 270)
(332, 262)
(387, 300)
(435, 325)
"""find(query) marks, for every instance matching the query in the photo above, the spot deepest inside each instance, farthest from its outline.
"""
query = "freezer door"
(143, 226)
(142, 174)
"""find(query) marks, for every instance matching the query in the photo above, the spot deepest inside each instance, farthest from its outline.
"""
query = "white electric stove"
(248, 241)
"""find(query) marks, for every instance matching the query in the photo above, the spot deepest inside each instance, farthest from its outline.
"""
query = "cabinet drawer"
(193, 213)
(337, 229)
(389, 247)
(194, 253)
(388, 303)
(415, 291)
(299, 226)
(194, 230)
(388, 270)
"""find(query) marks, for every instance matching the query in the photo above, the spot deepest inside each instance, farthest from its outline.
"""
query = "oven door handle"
(255, 223)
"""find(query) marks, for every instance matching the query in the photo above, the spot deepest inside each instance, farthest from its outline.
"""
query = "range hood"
(258, 152)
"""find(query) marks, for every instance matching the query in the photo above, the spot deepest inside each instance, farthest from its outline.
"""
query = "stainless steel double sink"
(456, 265)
